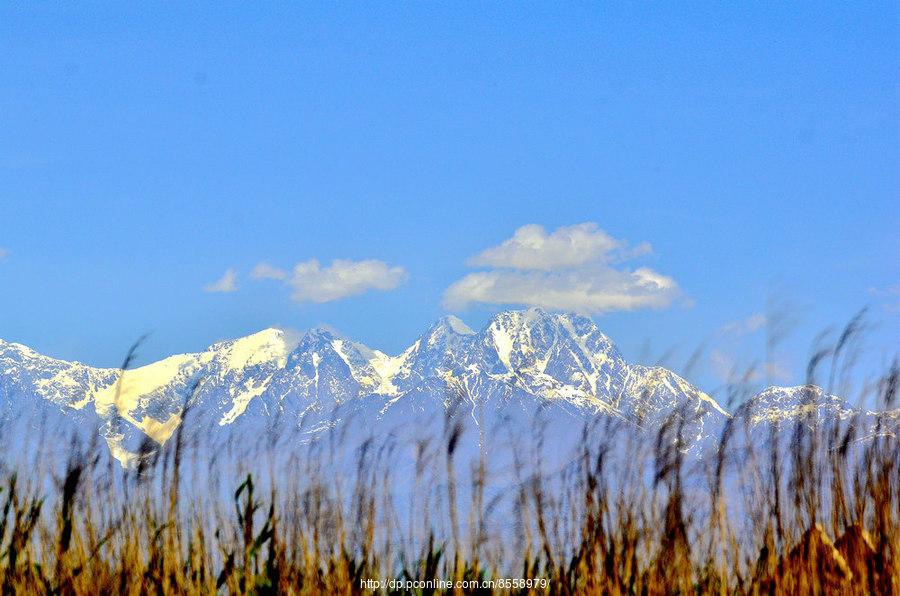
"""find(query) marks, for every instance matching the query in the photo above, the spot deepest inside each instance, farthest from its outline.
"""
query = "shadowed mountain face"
(520, 364)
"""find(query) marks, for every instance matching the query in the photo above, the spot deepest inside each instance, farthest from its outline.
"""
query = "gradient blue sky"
(146, 150)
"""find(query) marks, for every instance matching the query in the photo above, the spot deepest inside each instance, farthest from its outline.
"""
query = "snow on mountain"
(25, 374)
(520, 362)
(779, 404)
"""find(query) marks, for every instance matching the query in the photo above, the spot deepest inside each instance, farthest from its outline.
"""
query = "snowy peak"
(329, 368)
(525, 359)
(267, 346)
(777, 404)
(25, 373)
(545, 355)
(227, 375)
(534, 338)
(447, 334)
(449, 325)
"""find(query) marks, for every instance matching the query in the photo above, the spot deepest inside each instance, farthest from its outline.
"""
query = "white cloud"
(264, 270)
(892, 290)
(570, 269)
(226, 283)
(732, 360)
(310, 282)
(751, 324)
(590, 291)
(729, 369)
(888, 297)
(531, 247)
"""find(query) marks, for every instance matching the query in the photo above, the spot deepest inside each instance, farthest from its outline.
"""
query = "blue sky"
(145, 151)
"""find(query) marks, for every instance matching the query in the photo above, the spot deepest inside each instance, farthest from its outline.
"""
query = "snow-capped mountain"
(520, 363)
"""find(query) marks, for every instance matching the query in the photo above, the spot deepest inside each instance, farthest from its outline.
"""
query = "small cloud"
(264, 270)
(729, 369)
(723, 366)
(4, 252)
(778, 371)
(892, 290)
(226, 283)
(310, 282)
(641, 250)
(755, 322)
(570, 268)
(889, 297)
(751, 324)
(735, 359)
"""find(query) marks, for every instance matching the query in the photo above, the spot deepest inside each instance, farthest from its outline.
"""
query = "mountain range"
(521, 363)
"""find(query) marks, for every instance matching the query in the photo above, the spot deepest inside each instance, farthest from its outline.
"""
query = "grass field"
(802, 508)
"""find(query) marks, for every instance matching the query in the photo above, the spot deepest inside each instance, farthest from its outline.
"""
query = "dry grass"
(819, 515)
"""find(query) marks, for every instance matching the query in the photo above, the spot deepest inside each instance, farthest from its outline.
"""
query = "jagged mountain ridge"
(521, 360)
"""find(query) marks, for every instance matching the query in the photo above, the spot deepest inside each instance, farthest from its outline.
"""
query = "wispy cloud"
(266, 271)
(751, 324)
(889, 297)
(733, 359)
(571, 268)
(310, 282)
(4, 252)
(226, 283)
(729, 369)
